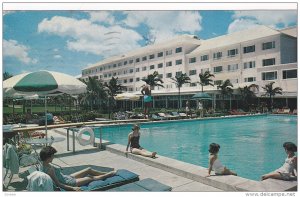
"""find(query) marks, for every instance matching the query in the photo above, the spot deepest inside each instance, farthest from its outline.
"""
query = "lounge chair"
(176, 114)
(144, 185)
(166, 116)
(295, 112)
(284, 111)
(155, 117)
(182, 115)
(121, 177)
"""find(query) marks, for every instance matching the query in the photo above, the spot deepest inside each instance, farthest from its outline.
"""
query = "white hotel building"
(259, 55)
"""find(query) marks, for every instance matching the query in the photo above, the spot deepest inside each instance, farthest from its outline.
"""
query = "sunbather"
(214, 162)
(133, 142)
(287, 170)
(69, 182)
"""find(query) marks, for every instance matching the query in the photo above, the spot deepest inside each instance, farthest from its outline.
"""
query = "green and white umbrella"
(43, 83)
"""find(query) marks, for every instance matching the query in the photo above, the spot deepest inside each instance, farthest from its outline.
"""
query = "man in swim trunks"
(146, 92)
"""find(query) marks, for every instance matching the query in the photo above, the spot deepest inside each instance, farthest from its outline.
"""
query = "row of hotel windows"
(216, 69)
(234, 52)
(286, 74)
(144, 58)
(216, 56)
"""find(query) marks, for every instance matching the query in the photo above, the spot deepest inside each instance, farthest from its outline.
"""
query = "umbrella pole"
(46, 118)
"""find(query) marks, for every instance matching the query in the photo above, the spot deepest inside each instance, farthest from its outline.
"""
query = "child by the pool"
(214, 162)
(289, 169)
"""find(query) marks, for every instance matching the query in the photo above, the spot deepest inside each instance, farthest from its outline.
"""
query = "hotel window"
(100, 76)
(115, 65)
(218, 69)
(233, 67)
(125, 81)
(289, 74)
(217, 55)
(269, 75)
(192, 60)
(250, 79)
(144, 58)
(131, 80)
(160, 65)
(160, 76)
(137, 70)
(144, 68)
(114, 74)
(160, 54)
(125, 72)
(192, 72)
(152, 67)
(151, 56)
(193, 84)
(218, 82)
(130, 89)
(178, 50)
(204, 58)
(125, 62)
(101, 69)
(169, 64)
(234, 81)
(169, 52)
(203, 70)
(119, 64)
(109, 74)
(268, 45)
(137, 79)
(178, 62)
(249, 49)
(130, 70)
(137, 60)
(178, 73)
(105, 75)
(168, 75)
(232, 52)
(130, 61)
(269, 62)
(249, 64)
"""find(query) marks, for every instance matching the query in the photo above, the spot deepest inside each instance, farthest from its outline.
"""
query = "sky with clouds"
(68, 41)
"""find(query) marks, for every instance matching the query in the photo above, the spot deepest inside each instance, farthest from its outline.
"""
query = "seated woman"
(133, 142)
(69, 182)
(288, 170)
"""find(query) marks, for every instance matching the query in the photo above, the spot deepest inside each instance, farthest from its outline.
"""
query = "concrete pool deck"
(179, 175)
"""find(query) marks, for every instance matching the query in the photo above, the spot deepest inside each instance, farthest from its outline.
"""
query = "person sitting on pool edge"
(214, 162)
(287, 170)
(133, 142)
(69, 182)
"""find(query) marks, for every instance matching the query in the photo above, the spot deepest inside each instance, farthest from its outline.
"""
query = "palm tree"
(226, 89)
(6, 75)
(113, 88)
(95, 92)
(153, 80)
(205, 79)
(271, 92)
(179, 80)
(247, 94)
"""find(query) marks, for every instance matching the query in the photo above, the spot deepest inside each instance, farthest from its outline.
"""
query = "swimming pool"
(251, 146)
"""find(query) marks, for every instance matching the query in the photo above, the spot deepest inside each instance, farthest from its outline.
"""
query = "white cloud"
(271, 18)
(102, 16)
(165, 24)
(241, 24)
(85, 36)
(57, 56)
(13, 49)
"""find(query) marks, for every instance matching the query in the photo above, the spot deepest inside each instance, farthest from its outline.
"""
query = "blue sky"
(68, 41)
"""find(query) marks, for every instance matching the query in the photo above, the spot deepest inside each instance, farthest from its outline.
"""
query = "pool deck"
(179, 175)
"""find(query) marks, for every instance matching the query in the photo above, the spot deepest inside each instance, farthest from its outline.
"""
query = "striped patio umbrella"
(42, 83)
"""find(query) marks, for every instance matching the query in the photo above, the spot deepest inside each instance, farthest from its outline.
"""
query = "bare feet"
(153, 154)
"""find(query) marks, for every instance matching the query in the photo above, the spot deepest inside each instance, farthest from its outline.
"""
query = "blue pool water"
(251, 146)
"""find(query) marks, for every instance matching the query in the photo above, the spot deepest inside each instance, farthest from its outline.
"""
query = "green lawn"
(35, 109)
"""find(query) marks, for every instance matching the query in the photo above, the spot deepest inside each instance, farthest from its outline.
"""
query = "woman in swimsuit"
(133, 142)
(214, 162)
(69, 182)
